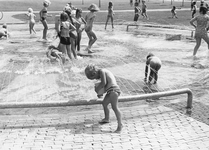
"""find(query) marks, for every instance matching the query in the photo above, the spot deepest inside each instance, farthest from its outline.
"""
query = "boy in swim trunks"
(89, 18)
(155, 65)
(54, 53)
(108, 82)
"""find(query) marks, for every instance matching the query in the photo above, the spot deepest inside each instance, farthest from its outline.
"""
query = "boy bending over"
(112, 90)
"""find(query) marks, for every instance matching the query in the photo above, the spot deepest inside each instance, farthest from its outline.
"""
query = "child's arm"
(103, 81)
(146, 69)
(72, 27)
(192, 22)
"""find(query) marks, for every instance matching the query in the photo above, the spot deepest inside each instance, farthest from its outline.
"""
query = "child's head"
(203, 10)
(143, 1)
(110, 4)
(93, 8)
(136, 4)
(150, 55)
(46, 3)
(4, 25)
(64, 16)
(91, 72)
(30, 10)
(174, 7)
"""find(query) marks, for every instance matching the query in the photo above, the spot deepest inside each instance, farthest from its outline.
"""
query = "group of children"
(140, 11)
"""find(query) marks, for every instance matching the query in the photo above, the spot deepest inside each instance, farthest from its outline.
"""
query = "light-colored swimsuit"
(202, 22)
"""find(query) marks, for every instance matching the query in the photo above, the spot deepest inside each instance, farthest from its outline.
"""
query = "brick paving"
(145, 127)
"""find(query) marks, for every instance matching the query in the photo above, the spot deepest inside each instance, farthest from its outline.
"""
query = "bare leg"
(198, 42)
(72, 41)
(63, 49)
(105, 104)
(45, 28)
(113, 96)
(112, 22)
(69, 51)
(32, 27)
(106, 22)
(151, 76)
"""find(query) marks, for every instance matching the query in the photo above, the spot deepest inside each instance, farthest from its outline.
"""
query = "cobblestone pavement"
(145, 127)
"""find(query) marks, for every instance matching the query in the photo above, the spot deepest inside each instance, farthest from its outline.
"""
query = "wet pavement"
(146, 126)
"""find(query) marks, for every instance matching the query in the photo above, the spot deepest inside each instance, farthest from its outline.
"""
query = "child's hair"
(90, 71)
(150, 55)
(136, 4)
(46, 3)
(174, 7)
(203, 10)
(78, 11)
(4, 25)
(110, 4)
(93, 8)
(30, 10)
(64, 16)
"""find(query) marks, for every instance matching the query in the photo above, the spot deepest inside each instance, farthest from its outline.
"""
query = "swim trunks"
(65, 40)
(113, 89)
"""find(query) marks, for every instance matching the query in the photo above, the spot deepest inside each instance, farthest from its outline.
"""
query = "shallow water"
(27, 75)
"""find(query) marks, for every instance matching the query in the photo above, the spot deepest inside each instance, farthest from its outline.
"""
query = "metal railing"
(99, 101)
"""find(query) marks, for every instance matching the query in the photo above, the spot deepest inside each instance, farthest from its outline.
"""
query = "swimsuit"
(113, 89)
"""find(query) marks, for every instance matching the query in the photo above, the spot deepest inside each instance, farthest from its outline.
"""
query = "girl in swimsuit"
(32, 22)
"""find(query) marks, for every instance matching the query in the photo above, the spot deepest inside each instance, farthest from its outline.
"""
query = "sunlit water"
(27, 75)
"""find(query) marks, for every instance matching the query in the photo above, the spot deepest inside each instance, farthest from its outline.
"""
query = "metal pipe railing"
(99, 101)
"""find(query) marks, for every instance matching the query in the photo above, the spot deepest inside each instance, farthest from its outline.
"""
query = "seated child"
(53, 53)
(3, 31)
(155, 65)
(112, 90)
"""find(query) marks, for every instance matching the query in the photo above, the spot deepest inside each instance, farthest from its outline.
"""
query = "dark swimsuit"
(113, 89)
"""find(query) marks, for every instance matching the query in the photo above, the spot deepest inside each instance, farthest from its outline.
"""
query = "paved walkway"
(145, 127)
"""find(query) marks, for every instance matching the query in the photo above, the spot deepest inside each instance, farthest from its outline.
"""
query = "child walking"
(137, 11)
(112, 90)
(65, 28)
(32, 21)
(43, 15)
(194, 9)
(144, 10)
(155, 64)
(89, 18)
(173, 12)
(110, 15)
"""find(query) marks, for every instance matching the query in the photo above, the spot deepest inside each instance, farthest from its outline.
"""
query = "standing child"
(89, 18)
(110, 15)
(144, 10)
(112, 90)
(43, 14)
(80, 22)
(194, 9)
(155, 64)
(3, 31)
(137, 11)
(173, 12)
(65, 28)
(32, 21)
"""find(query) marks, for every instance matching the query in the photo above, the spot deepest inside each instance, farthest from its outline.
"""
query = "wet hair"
(30, 10)
(78, 11)
(4, 26)
(150, 55)
(90, 71)
(203, 10)
(110, 4)
(64, 16)
(136, 4)
(174, 7)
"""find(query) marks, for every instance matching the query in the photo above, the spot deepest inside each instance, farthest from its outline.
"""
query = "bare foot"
(103, 121)
(119, 129)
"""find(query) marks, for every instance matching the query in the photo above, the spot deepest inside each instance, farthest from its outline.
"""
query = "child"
(43, 14)
(79, 27)
(108, 82)
(155, 64)
(89, 25)
(32, 22)
(53, 53)
(110, 15)
(65, 28)
(173, 12)
(194, 9)
(144, 10)
(3, 31)
(137, 11)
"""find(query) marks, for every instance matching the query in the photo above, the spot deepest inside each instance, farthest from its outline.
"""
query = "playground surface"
(156, 124)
